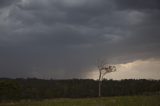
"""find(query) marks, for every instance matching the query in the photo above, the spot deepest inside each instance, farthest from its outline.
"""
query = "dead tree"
(103, 70)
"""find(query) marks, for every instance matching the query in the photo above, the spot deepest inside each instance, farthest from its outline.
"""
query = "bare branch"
(103, 70)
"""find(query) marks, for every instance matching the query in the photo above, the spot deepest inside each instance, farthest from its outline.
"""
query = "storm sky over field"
(64, 38)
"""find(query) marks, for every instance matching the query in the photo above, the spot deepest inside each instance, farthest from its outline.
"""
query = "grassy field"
(107, 101)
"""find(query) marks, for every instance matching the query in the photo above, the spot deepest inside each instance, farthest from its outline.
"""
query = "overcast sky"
(64, 38)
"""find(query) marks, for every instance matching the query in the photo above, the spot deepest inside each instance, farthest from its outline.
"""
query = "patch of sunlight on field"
(106, 101)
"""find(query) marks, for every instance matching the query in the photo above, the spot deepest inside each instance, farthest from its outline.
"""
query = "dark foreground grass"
(107, 101)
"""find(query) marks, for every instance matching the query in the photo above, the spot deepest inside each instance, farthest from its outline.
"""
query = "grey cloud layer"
(65, 37)
(138, 4)
(5, 3)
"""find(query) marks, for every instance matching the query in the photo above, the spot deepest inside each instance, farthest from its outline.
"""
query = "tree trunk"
(99, 86)
(99, 89)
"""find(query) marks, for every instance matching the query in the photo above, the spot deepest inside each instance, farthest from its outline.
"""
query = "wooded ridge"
(32, 88)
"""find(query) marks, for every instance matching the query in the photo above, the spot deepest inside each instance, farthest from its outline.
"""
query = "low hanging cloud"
(64, 38)
(139, 69)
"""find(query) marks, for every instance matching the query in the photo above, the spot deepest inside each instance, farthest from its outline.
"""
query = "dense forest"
(32, 88)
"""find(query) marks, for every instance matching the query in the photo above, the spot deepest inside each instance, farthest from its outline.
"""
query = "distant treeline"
(32, 88)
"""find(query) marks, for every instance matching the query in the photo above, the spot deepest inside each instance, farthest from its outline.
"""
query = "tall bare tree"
(103, 70)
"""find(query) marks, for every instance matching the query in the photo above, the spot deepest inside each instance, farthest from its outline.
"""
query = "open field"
(106, 101)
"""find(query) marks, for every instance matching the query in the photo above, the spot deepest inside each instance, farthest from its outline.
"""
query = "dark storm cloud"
(4, 3)
(138, 4)
(64, 38)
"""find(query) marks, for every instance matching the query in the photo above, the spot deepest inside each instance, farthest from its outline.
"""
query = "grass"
(106, 101)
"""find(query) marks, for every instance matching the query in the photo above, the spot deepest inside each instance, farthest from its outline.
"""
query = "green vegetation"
(9, 90)
(38, 89)
(38, 92)
(107, 101)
